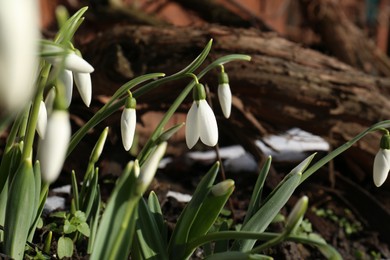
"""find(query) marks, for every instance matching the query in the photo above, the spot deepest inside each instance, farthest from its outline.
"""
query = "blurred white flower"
(225, 98)
(49, 100)
(381, 166)
(201, 123)
(42, 120)
(128, 124)
(52, 149)
(84, 86)
(19, 44)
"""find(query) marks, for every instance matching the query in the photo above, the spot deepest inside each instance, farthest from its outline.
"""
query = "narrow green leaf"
(20, 209)
(155, 209)
(267, 212)
(64, 247)
(222, 245)
(150, 240)
(236, 255)
(254, 203)
(94, 220)
(75, 190)
(114, 235)
(179, 237)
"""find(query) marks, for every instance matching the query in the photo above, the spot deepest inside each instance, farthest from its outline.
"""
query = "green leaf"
(115, 232)
(155, 209)
(179, 237)
(83, 228)
(267, 212)
(58, 214)
(20, 209)
(68, 227)
(236, 255)
(64, 247)
(254, 203)
(149, 237)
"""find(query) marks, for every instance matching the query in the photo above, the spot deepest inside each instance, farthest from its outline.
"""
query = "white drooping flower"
(49, 100)
(19, 44)
(75, 68)
(381, 166)
(52, 149)
(224, 94)
(84, 86)
(201, 124)
(128, 123)
(42, 120)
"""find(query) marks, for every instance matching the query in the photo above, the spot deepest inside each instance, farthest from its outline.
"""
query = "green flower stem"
(32, 123)
(106, 111)
(342, 148)
(14, 131)
(172, 109)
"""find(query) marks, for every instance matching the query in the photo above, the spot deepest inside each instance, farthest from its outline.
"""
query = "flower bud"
(98, 148)
(52, 149)
(128, 123)
(42, 120)
(222, 188)
(296, 215)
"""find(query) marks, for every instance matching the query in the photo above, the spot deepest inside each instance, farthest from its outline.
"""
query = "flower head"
(19, 35)
(128, 123)
(224, 94)
(42, 120)
(382, 161)
(201, 122)
(84, 86)
(52, 149)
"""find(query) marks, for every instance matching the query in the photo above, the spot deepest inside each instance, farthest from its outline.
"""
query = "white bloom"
(381, 166)
(75, 63)
(66, 78)
(128, 124)
(84, 86)
(150, 166)
(201, 123)
(19, 34)
(42, 120)
(52, 149)
(225, 98)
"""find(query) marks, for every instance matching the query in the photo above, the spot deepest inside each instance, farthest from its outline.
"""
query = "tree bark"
(284, 85)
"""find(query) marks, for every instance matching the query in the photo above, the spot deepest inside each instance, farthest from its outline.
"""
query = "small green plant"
(348, 226)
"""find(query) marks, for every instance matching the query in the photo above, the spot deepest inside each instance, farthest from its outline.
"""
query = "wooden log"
(284, 86)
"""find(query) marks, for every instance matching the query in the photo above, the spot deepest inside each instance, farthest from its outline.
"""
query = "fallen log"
(284, 86)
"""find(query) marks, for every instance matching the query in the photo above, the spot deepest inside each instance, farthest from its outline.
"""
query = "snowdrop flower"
(75, 68)
(382, 161)
(73, 62)
(201, 122)
(49, 100)
(224, 94)
(19, 35)
(42, 120)
(84, 86)
(52, 149)
(128, 122)
(150, 166)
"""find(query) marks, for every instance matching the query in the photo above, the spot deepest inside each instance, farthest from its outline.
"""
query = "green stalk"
(378, 126)
(30, 133)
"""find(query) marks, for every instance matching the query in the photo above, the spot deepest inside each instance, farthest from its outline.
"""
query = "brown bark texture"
(284, 85)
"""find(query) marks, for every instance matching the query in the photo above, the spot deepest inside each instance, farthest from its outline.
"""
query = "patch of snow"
(63, 189)
(53, 203)
(181, 197)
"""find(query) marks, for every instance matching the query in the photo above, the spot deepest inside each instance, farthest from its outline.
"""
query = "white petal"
(75, 63)
(208, 124)
(192, 126)
(128, 124)
(66, 76)
(225, 99)
(49, 100)
(381, 166)
(52, 149)
(42, 120)
(84, 86)
(150, 166)
(19, 44)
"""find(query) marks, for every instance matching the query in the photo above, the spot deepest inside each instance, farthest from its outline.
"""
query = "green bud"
(296, 215)
(199, 92)
(222, 188)
(223, 78)
(385, 142)
(97, 150)
(131, 102)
